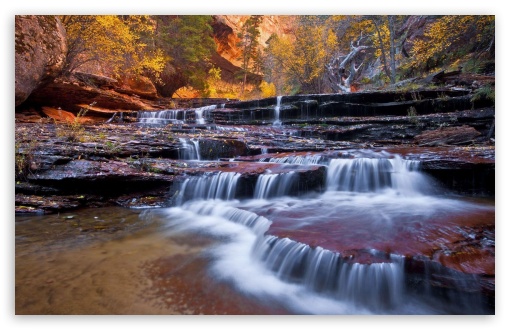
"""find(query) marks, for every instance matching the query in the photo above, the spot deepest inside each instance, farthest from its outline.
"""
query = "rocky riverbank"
(62, 165)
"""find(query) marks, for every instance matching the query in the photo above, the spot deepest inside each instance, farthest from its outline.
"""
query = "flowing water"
(202, 113)
(277, 121)
(379, 238)
(190, 149)
(162, 117)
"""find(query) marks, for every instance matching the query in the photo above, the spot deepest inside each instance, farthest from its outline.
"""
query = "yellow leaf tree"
(450, 38)
(115, 44)
(298, 63)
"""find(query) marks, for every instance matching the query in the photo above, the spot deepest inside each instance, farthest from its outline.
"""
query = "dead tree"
(342, 69)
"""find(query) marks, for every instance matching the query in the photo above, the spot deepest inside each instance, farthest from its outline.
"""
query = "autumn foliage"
(175, 52)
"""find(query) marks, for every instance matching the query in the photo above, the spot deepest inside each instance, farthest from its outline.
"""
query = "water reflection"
(111, 261)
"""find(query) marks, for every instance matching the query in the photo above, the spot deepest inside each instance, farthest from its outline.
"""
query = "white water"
(277, 121)
(324, 271)
(230, 128)
(299, 160)
(307, 280)
(190, 149)
(367, 200)
(377, 174)
(211, 186)
(162, 117)
(175, 116)
(234, 261)
(274, 185)
(203, 111)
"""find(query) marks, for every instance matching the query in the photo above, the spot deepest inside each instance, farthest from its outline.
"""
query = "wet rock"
(30, 204)
(108, 178)
(222, 148)
(466, 170)
(448, 135)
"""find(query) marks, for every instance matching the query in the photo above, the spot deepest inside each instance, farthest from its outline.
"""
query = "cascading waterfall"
(230, 128)
(190, 149)
(257, 224)
(202, 112)
(296, 160)
(162, 117)
(221, 185)
(175, 116)
(274, 185)
(326, 272)
(277, 121)
(375, 175)
(309, 278)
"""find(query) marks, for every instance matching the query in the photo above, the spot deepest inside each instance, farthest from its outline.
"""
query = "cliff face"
(40, 52)
(226, 28)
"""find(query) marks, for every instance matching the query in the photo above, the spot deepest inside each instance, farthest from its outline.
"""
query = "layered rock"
(72, 96)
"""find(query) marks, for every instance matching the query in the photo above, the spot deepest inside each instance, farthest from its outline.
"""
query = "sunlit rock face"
(40, 52)
(137, 85)
(226, 28)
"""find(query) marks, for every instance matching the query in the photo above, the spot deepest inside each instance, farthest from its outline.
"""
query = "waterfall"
(376, 285)
(277, 121)
(220, 185)
(162, 117)
(274, 185)
(190, 149)
(375, 175)
(331, 253)
(257, 224)
(296, 160)
(203, 111)
(230, 128)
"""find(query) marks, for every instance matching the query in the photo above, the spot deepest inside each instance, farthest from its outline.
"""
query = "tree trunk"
(391, 26)
(339, 76)
(383, 51)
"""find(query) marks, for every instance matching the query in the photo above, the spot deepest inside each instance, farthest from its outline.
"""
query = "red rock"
(447, 135)
(137, 85)
(40, 52)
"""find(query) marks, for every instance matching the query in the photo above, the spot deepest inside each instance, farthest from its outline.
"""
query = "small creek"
(359, 247)
(362, 232)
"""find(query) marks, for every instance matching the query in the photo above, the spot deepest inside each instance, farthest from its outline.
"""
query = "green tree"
(249, 45)
(188, 43)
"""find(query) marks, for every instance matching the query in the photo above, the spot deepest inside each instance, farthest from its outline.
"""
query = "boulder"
(40, 52)
(59, 114)
(137, 85)
(72, 97)
(95, 80)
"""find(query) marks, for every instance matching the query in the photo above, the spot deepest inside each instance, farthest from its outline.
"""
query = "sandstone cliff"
(40, 52)
(228, 54)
